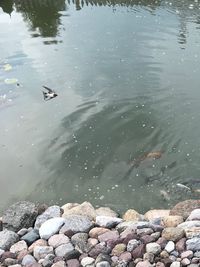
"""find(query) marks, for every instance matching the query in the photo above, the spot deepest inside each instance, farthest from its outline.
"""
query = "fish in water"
(49, 94)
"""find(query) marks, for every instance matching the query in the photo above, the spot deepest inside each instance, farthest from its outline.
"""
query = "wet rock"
(57, 240)
(19, 246)
(28, 260)
(170, 246)
(84, 209)
(131, 215)
(20, 215)
(194, 215)
(7, 239)
(64, 249)
(154, 214)
(172, 221)
(51, 212)
(51, 227)
(80, 241)
(184, 208)
(40, 252)
(173, 233)
(87, 261)
(105, 211)
(76, 223)
(31, 236)
(153, 248)
(193, 244)
(181, 245)
(107, 221)
(96, 231)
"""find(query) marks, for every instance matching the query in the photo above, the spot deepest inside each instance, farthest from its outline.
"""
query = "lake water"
(127, 74)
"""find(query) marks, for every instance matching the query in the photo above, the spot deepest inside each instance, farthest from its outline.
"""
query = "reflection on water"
(127, 77)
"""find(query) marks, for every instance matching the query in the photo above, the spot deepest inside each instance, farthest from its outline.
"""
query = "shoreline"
(79, 235)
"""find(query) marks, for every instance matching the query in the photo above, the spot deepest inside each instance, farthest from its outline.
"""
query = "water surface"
(127, 76)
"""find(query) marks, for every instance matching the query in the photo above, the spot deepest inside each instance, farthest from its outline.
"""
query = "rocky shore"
(80, 235)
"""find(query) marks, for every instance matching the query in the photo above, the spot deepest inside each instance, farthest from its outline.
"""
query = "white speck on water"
(116, 185)
(85, 167)
(187, 154)
(137, 174)
(102, 197)
(89, 189)
(143, 125)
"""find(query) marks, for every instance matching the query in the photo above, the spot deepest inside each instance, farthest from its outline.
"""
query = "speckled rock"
(20, 215)
(84, 209)
(105, 211)
(192, 232)
(131, 215)
(153, 248)
(64, 249)
(132, 244)
(193, 244)
(80, 241)
(40, 252)
(107, 221)
(73, 263)
(118, 249)
(184, 208)
(76, 223)
(173, 233)
(125, 256)
(7, 239)
(51, 227)
(154, 214)
(99, 248)
(19, 246)
(50, 212)
(172, 221)
(57, 240)
(103, 264)
(109, 235)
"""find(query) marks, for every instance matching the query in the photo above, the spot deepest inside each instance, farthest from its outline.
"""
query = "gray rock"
(57, 240)
(80, 241)
(10, 262)
(193, 244)
(31, 236)
(189, 224)
(76, 223)
(87, 261)
(20, 215)
(105, 211)
(132, 244)
(40, 252)
(28, 260)
(1, 252)
(51, 212)
(63, 250)
(19, 246)
(108, 221)
(103, 264)
(194, 215)
(153, 248)
(51, 227)
(7, 239)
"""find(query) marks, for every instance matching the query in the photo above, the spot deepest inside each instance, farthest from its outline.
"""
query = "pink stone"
(185, 262)
(96, 231)
(39, 242)
(187, 254)
(73, 263)
(126, 256)
(109, 235)
(143, 264)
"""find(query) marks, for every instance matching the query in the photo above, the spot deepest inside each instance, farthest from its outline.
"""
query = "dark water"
(127, 74)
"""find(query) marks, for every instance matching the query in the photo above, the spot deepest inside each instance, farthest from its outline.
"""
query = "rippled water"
(127, 76)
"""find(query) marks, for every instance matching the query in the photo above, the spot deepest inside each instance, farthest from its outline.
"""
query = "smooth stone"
(184, 208)
(99, 248)
(172, 221)
(87, 261)
(59, 264)
(19, 246)
(175, 264)
(96, 231)
(84, 209)
(20, 215)
(10, 262)
(187, 254)
(173, 233)
(40, 252)
(118, 249)
(106, 211)
(160, 264)
(51, 227)
(15, 265)
(109, 235)
(131, 215)
(49, 213)
(39, 242)
(156, 213)
(153, 248)
(28, 260)
(7, 239)
(193, 244)
(103, 264)
(185, 262)
(73, 263)
(194, 215)
(103, 257)
(147, 239)
(189, 224)
(170, 246)
(138, 252)
(125, 256)
(8, 254)
(132, 244)
(144, 264)
(92, 242)
(64, 249)
(107, 221)
(181, 245)
(57, 240)
(144, 231)
(22, 232)
(76, 223)
(192, 232)
(31, 236)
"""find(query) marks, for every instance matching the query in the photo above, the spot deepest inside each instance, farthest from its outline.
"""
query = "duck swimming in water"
(50, 94)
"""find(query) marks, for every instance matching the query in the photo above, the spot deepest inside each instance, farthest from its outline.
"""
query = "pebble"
(40, 252)
(51, 227)
(153, 248)
(7, 239)
(76, 223)
(107, 221)
(63, 250)
(57, 240)
(170, 246)
(28, 260)
(87, 261)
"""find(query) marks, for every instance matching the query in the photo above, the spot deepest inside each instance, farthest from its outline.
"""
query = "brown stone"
(96, 231)
(131, 215)
(85, 209)
(155, 214)
(181, 245)
(172, 220)
(118, 249)
(184, 208)
(173, 233)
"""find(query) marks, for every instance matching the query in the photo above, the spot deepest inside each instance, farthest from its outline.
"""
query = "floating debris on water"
(11, 81)
(7, 67)
(49, 94)
(183, 186)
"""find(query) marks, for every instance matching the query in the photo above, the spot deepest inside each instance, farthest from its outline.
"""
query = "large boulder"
(184, 208)
(20, 215)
